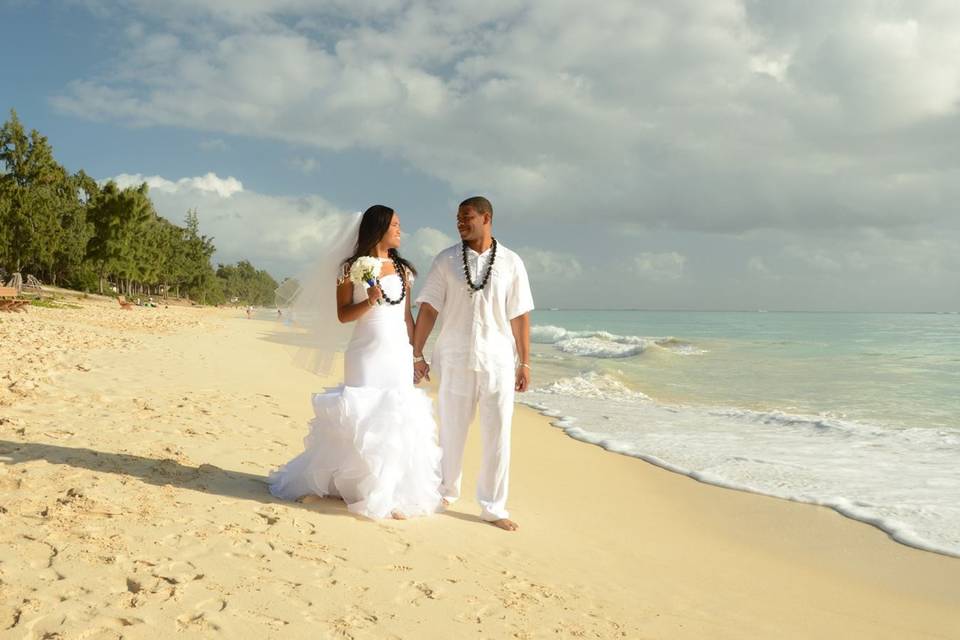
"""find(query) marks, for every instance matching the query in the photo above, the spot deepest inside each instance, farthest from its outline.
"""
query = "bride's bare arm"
(426, 318)
(347, 311)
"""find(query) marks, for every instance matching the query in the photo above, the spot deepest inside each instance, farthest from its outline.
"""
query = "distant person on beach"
(372, 441)
(249, 312)
(480, 292)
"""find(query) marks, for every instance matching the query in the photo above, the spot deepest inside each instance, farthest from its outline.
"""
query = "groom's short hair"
(479, 204)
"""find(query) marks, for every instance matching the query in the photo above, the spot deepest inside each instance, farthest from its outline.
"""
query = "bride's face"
(391, 239)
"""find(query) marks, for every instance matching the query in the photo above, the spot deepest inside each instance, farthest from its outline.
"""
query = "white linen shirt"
(475, 330)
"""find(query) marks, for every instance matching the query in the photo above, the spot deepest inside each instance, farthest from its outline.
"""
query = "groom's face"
(470, 223)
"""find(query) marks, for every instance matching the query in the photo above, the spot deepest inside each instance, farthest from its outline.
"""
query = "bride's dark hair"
(375, 222)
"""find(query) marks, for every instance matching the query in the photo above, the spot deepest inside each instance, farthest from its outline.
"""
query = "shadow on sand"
(206, 478)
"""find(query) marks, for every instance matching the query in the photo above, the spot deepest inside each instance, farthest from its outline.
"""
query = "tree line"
(70, 231)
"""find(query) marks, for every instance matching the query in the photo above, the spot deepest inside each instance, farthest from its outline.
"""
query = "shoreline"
(134, 504)
(567, 424)
(877, 446)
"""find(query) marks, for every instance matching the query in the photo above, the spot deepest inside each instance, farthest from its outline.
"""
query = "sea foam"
(901, 480)
(602, 344)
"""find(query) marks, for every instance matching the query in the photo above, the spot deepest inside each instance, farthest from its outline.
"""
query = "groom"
(480, 292)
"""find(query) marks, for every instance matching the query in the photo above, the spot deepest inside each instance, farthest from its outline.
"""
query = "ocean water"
(856, 411)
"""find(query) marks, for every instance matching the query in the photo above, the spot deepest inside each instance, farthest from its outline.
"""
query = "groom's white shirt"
(475, 357)
(475, 331)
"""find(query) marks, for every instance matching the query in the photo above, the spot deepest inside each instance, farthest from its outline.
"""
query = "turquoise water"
(896, 369)
(856, 411)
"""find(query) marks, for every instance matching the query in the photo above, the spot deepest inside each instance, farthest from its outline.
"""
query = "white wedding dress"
(373, 440)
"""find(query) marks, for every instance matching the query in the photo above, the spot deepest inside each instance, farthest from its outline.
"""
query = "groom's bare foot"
(444, 503)
(506, 524)
(397, 515)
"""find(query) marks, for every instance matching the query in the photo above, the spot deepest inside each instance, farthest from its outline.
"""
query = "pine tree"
(117, 216)
(33, 185)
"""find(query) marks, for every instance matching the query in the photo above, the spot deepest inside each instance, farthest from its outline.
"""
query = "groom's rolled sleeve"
(433, 287)
(519, 297)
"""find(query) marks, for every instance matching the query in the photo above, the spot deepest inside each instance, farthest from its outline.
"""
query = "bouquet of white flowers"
(365, 270)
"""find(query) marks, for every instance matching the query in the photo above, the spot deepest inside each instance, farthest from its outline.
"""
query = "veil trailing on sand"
(310, 299)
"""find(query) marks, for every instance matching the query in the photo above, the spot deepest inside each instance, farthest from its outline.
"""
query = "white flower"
(364, 270)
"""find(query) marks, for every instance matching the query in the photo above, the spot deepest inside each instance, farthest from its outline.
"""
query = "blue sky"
(76, 43)
(723, 155)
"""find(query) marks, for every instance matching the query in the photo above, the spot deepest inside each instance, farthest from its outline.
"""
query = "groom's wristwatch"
(418, 359)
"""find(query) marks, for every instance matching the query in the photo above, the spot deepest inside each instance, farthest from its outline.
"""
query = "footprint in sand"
(475, 616)
(426, 590)
(269, 518)
(98, 634)
(119, 623)
(356, 619)
(140, 591)
(517, 593)
(134, 585)
(416, 593)
(177, 572)
(196, 621)
(213, 605)
(34, 553)
(274, 623)
(400, 545)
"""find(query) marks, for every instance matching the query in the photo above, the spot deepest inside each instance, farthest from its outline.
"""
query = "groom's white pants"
(461, 392)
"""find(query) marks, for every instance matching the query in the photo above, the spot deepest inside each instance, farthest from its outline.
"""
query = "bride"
(372, 441)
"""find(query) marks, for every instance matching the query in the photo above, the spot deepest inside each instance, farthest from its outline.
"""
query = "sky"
(682, 154)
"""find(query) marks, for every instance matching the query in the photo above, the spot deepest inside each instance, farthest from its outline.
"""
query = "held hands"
(421, 371)
(523, 378)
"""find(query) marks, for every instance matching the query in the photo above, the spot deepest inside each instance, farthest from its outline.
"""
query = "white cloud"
(542, 264)
(209, 183)
(659, 267)
(815, 141)
(880, 256)
(422, 246)
(733, 115)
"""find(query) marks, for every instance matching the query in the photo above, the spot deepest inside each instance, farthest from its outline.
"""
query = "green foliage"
(53, 304)
(35, 190)
(84, 278)
(246, 284)
(68, 230)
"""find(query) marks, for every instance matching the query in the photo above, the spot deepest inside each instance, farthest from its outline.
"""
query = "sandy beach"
(134, 447)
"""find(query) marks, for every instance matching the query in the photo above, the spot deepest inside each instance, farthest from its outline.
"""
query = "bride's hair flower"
(365, 269)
